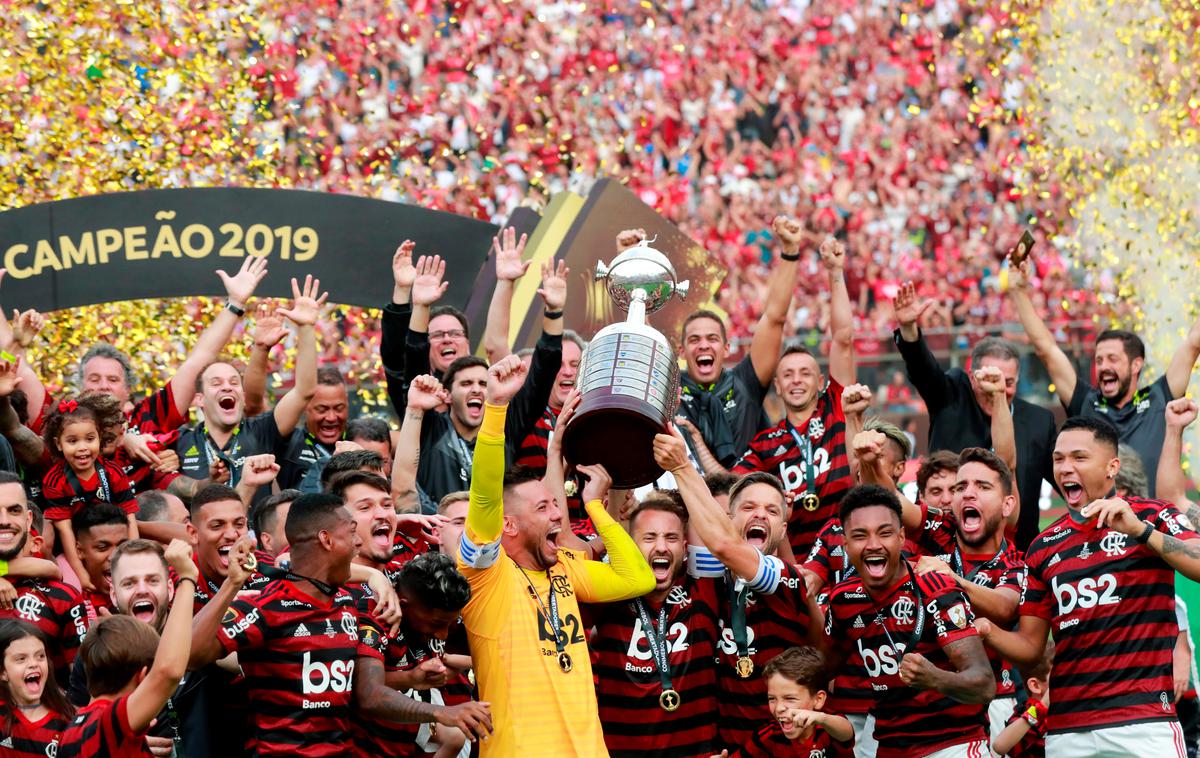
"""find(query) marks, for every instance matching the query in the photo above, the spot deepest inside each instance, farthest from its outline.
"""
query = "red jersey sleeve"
(120, 487)
(57, 494)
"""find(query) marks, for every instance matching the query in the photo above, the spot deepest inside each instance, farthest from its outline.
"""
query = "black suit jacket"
(956, 421)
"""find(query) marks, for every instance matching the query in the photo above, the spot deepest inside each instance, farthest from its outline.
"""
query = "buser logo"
(318, 678)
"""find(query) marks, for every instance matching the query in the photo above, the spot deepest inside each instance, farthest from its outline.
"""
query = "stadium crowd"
(208, 570)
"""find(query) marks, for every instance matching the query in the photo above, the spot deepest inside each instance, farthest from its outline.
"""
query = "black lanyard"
(275, 572)
(215, 453)
(318, 449)
(104, 490)
(918, 628)
(463, 454)
(806, 452)
(551, 616)
(956, 556)
(657, 639)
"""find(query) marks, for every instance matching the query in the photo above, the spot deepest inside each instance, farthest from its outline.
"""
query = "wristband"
(793, 257)
(8, 356)
(1144, 537)
(552, 315)
(3, 568)
(235, 310)
(187, 579)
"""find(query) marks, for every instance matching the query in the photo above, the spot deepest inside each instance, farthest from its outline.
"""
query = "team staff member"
(929, 672)
(655, 676)
(1103, 578)
(1118, 358)
(527, 641)
(764, 606)
(725, 404)
(960, 409)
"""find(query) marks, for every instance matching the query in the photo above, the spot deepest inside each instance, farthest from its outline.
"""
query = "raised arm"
(428, 287)
(509, 268)
(257, 471)
(706, 519)
(171, 658)
(627, 574)
(485, 512)
(268, 331)
(1171, 482)
(768, 334)
(425, 394)
(15, 339)
(1179, 372)
(393, 326)
(1004, 434)
(868, 448)
(971, 681)
(27, 446)
(856, 398)
(700, 449)
(1058, 365)
(306, 307)
(204, 647)
(841, 314)
(922, 368)
(239, 288)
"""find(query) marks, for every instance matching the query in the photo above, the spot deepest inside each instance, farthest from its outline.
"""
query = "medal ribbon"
(919, 627)
(738, 596)
(552, 615)
(958, 561)
(657, 639)
(216, 453)
(806, 452)
(104, 490)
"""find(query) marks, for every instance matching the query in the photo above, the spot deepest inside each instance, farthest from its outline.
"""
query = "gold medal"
(744, 667)
(251, 562)
(810, 501)
(669, 700)
(564, 662)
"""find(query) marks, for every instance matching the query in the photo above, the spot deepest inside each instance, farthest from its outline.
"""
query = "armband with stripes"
(702, 564)
(766, 579)
(478, 556)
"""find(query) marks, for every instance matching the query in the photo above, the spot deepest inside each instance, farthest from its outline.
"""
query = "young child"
(796, 682)
(130, 675)
(75, 431)
(34, 712)
(1025, 734)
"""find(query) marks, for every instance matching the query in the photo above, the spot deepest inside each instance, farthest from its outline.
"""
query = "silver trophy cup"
(629, 375)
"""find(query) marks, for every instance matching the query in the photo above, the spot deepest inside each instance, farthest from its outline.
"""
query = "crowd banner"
(169, 243)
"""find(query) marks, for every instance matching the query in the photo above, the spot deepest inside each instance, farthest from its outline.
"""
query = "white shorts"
(998, 714)
(864, 734)
(1161, 739)
(976, 749)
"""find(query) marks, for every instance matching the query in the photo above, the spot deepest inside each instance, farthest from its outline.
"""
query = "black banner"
(169, 243)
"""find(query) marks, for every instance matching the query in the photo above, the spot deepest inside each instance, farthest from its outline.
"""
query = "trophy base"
(615, 432)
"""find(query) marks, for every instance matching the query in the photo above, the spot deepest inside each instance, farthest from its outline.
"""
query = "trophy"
(629, 376)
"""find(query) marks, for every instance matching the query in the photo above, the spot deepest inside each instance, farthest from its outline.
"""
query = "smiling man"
(312, 444)
(1102, 578)
(218, 522)
(655, 675)
(96, 536)
(913, 634)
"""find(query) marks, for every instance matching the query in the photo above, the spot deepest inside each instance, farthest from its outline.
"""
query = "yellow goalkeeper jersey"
(537, 708)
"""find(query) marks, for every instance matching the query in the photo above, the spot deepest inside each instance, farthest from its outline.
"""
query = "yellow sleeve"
(625, 576)
(485, 513)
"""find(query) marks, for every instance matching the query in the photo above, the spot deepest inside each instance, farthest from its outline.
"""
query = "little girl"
(75, 431)
(34, 712)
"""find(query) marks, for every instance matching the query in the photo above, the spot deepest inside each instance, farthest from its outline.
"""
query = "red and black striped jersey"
(908, 721)
(628, 685)
(774, 623)
(405, 548)
(58, 610)
(939, 538)
(142, 476)
(298, 654)
(102, 728)
(63, 502)
(33, 739)
(156, 413)
(373, 737)
(851, 691)
(771, 742)
(1033, 744)
(1111, 607)
(777, 450)
(97, 599)
(208, 587)
(532, 452)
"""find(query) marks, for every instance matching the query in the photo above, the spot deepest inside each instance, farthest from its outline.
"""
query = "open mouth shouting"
(875, 565)
(552, 540)
(34, 682)
(475, 407)
(971, 520)
(661, 566)
(223, 555)
(227, 402)
(144, 609)
(1110, 383)
(757, 533)
(1074, 494)
(705, 363)
(382, 536)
